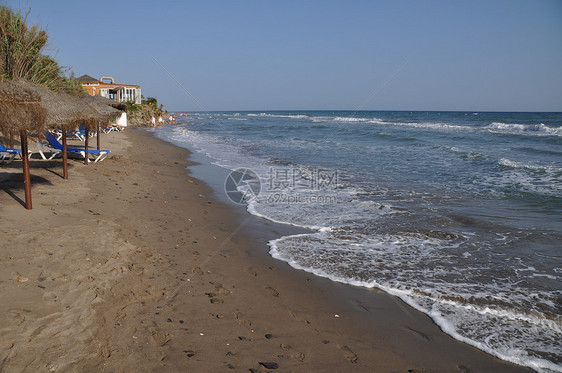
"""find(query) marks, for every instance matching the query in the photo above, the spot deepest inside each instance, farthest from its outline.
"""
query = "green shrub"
(22, 54)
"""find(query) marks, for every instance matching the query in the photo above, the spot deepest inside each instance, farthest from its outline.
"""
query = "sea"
(459, 214)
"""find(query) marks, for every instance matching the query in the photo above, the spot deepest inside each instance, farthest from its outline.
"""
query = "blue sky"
(357, 55)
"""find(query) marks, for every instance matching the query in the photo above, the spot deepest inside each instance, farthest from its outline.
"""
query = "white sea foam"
(291, 116)
(467, 153)
(359, 120)
(379, 121)
(418, 267)
(445, 312)
(514, 355)
(530, 166)
(288, 116)
(528, 129)
(254, 210)
(433, 125)
(541, 179)
(497, 127)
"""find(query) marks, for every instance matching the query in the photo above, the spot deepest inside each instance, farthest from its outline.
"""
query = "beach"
(133, 265)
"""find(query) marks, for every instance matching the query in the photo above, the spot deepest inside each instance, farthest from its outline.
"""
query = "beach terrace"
(106, 87)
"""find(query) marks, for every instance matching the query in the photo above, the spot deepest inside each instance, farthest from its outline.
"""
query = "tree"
(150, 100)
(22, 54)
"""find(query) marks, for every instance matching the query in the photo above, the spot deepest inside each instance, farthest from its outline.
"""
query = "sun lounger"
(112, 128)
(79, 134)
(54, 147)
(7, 155)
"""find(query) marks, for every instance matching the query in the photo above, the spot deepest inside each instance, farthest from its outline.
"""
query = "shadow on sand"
(11, 176)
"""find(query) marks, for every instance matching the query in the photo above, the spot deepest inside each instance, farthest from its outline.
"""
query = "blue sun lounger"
(54, 147)
(79, 134)
(7, 155)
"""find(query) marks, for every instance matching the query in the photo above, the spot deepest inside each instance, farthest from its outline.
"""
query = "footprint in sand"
(298, 318)
(104, 351)
(49, 296)
(221, 289)
(241, 320)
(159, 337)
(159, 355)
(6, 345)
(294, 354)
(349, 355)
(16, 316)
(272, 291)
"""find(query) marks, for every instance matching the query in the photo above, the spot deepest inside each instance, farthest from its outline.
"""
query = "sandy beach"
(132, 265)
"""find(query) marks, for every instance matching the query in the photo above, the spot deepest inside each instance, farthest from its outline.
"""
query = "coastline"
(133, 265)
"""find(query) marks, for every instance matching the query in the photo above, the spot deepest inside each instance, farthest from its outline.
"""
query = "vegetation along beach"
(298, 187)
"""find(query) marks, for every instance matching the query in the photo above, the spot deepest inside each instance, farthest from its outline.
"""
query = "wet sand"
(132, 265)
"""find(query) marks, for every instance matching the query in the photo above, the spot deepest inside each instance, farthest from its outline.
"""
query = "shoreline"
(154, 272)
(351, 295)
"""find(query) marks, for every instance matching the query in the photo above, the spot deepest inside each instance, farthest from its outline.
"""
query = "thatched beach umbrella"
(104, 107)
(21, 110)
(63, 111)
(100, 100)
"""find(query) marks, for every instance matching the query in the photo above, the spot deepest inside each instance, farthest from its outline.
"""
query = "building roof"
(87, 79)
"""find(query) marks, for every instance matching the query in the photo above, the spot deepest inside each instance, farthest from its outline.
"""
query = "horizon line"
(374, 110)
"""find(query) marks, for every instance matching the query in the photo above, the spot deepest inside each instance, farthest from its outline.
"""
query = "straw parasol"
(21, 109)
(100, 100)
(66, 112)
(62, 110)
(102, 105)
(105, 109)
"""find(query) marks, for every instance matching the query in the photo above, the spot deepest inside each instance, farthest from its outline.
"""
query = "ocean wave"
(496, 127)
(359, 120)
(253, 208)
(433, 125)
(546, 173)
(528, 129)
(457, 314)
(551, 170)
(427, 125)
(289, 116)
(515, 178)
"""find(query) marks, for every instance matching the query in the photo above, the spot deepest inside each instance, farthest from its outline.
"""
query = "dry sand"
(132, 265)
